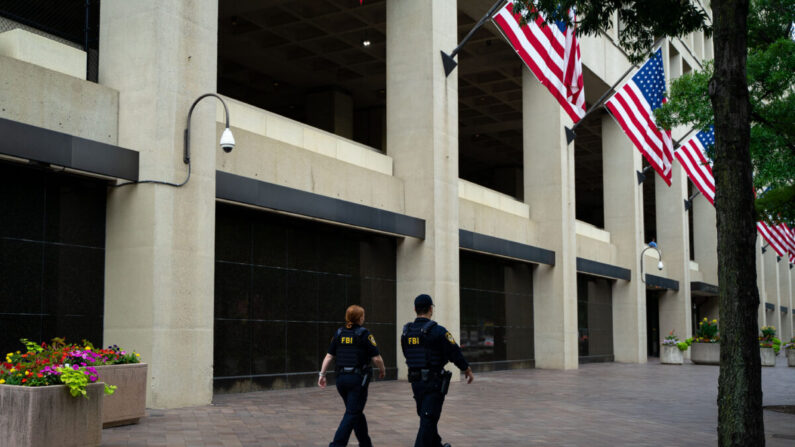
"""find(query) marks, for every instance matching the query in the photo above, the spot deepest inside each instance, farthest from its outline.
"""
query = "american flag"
(789, 238)
(693, 157)
(551, 52)
(633, 105)
(773, 237)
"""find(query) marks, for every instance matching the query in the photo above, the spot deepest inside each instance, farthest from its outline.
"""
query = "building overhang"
(783, 309)
(604, 270)
(481, 243)
(261, 194)
(770, 306)
(655, 282)
(27, 142)
(699, 288)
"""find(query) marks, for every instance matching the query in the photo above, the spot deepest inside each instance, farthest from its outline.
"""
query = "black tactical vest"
(348, 347)
(418, 353)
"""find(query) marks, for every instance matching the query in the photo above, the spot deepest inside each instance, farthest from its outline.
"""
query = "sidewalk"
(608, 404)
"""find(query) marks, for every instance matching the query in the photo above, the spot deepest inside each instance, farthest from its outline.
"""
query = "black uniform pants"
(429, 399)
(355, 397)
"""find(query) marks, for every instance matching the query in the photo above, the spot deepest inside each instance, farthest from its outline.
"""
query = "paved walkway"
(607, 404)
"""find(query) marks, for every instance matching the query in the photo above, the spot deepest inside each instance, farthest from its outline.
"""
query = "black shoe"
(447, 444)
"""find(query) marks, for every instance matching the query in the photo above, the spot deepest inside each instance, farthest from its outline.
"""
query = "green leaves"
(75, 380)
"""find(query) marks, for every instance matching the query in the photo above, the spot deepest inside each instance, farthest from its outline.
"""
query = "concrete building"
(361, 174)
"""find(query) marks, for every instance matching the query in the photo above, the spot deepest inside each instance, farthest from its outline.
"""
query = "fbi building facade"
(361, 174)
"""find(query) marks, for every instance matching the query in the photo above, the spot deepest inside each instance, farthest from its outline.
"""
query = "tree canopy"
(771, 77)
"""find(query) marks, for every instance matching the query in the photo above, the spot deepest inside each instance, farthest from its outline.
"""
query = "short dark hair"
(423, 309)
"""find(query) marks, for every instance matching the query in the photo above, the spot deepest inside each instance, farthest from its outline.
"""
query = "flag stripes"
(633, 106)
(552, 54)
(771, 235)
(693, 158)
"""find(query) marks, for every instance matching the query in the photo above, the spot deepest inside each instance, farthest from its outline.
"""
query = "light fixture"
(227, 142)
(366, 43)
(660, 266)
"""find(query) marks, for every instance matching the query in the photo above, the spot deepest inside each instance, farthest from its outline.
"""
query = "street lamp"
(227, 142)
(652, 246)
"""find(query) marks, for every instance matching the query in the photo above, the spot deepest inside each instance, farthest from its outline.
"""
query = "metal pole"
(689, 201)
(447, 59)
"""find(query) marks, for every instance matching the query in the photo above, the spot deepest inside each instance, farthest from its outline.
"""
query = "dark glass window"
(496, 312)
(52, 256)
(594, 318)
(282, 285)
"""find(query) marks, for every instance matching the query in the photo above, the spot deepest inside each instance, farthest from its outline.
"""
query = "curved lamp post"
(652, 246)
(227, 140)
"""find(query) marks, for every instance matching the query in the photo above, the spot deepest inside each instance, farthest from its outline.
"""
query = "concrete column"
(623, 199)
(161, 56)
(673, 239)
(705, 239)
(422, 138)
(785, 294)
(549, 191)
(772, 288)
(760, 281)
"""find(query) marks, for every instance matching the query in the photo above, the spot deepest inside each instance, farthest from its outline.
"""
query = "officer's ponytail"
(353, 315)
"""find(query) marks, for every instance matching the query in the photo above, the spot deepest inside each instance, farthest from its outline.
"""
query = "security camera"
(659, 265)
(227, 141)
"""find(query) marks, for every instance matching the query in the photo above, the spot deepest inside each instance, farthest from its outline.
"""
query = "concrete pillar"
(549, 191)
(785, 292)
(705, 239)
(673, 239)
(422, 138)
(772, 288)
(623, 199)
(161, 56)
(760, 281)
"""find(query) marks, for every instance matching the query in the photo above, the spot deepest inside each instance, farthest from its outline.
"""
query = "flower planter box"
(791, 357)
(671, 355)
(768, 356)
(49, 415)
(705, 353)
(128, 404)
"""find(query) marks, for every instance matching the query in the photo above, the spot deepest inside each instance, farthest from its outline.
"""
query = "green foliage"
(771, 77)
(707, 331)
(641, 21)
(75, 380)
(683, 345)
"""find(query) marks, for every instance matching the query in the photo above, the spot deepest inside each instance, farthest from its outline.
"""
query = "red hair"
(353, 315)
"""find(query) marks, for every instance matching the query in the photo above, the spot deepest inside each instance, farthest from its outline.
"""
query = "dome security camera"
(227, 141)
(659, 265)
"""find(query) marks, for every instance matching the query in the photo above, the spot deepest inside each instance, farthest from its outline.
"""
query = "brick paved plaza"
(598, 405)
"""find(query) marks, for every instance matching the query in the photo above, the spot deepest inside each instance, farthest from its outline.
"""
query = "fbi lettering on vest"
(414, 340)
(346, 340)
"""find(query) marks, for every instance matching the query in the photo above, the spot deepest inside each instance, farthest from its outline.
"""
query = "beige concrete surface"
(160, 239)
(549, 191)
(422, 138)
(772, 288)
(705, 239)
(38, 50)
(127, 404)
(44, 98)
(623, 199)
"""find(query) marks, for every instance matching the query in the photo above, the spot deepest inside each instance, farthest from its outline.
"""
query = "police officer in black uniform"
(427, 347)
(354, 348)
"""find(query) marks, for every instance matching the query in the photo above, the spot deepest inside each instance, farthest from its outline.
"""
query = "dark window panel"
(73, 328)
(232, 287)
(332, 293)
(268, 354)
(74, 280)
(15, 327)
(269, 241)
(269, 293)
(301, 249)
(232, 235)
(75, 211)
(21, 202)
(20, 276)
(232, 348)
(302, 352)
(302, 295)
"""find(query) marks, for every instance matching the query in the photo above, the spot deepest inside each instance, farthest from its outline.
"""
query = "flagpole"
(689, 201)
(570, 134)
(447, 59)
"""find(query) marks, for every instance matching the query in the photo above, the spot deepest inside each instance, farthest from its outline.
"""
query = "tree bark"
(740, 421)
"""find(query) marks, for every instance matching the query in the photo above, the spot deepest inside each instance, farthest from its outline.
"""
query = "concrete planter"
(128, 404)
(790, 357)
(49, 415)
(705, 353)
(768, 356)
(671, 355)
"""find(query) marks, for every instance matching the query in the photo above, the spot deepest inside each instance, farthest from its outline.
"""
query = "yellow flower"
(137, 354)
(714, 321)
(2, 381)
(13, 370)
(27, 373)
(88, 348)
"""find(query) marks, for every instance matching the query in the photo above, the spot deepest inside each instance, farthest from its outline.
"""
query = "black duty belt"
(424, 375)
(351, 370)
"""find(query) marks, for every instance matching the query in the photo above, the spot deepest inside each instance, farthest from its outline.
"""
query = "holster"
(447, 376)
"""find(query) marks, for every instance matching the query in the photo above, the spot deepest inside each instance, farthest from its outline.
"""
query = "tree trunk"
(740, 421)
